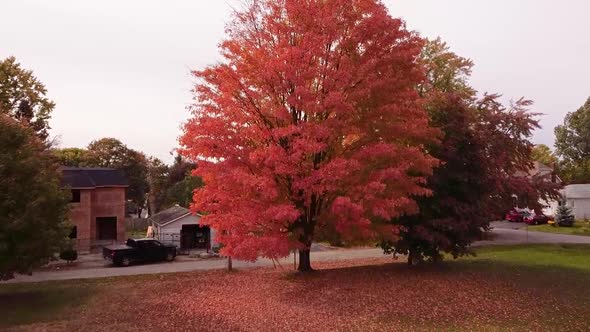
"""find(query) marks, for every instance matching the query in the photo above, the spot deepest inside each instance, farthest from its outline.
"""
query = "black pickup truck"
(140, 250)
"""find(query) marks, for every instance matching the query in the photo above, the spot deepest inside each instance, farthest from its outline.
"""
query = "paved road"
(187, 266)
(502, 236)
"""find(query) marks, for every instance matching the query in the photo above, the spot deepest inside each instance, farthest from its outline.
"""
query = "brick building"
(97, 209)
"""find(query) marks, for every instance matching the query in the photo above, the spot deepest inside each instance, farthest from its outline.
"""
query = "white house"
(577, 196)
(178, 226)
(548, 173)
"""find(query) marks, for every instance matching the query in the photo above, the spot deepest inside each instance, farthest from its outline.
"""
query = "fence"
(169, 239)
(95, 246)
(175, 239)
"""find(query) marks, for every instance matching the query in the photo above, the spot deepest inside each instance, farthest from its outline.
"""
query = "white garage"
(577, 196)
(178, 226)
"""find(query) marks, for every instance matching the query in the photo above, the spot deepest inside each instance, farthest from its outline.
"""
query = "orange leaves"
(314, 101)
(359, 295)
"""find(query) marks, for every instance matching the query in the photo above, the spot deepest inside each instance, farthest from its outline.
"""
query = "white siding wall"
(580, 207)
(549, 208)
(170, 234)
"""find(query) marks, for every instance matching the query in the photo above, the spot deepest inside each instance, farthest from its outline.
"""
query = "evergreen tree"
(564, 216)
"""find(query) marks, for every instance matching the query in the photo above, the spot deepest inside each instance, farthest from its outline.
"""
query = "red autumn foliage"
(312, 122)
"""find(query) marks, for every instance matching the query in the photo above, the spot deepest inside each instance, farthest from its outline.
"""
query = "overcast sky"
(120, 68)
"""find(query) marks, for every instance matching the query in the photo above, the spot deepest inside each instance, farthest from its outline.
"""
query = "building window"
(75, 196)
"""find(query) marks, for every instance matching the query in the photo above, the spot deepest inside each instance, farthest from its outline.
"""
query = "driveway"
(502, 234)
(507, 225)
(506, 233)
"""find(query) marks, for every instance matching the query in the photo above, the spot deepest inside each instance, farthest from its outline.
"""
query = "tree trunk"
(306, 239)
(413, 258)
(304, 261)
(151, 206)
(229, 264)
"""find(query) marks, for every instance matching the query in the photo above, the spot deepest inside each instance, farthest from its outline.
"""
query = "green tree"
(445, 71)
(112, 153)
(181, 183)
(158, 179)
(72, 157)
(181, 192)
(564, 216)
(575, 172)
(108, 152)
(483, 145)
(33, 207)
(23, 97)
(572, 140)
(543, 154)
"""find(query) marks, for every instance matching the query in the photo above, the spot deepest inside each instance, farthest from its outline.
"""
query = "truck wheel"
(170, 257)
(125, 261)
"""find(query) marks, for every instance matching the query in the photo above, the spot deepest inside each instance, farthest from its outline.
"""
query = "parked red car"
(536, 219)
(515, 216)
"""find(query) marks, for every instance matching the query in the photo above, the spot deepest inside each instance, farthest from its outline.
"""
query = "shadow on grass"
(44, 302)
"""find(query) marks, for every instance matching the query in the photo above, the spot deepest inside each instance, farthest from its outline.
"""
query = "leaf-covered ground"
(494, 292)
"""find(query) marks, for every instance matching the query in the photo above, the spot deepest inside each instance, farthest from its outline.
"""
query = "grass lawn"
(580, 228)
(547, 256)
(540, 288)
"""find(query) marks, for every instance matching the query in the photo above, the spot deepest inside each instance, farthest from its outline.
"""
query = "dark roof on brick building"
(89, 178)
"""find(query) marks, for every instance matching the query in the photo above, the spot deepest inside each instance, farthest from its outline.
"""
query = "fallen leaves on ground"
(361, 295)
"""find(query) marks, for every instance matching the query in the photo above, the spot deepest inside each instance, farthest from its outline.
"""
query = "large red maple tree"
(312, 121)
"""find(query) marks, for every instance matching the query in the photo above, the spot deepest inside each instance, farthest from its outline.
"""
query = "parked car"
(536, 219)
(515, 216)
(138, 251)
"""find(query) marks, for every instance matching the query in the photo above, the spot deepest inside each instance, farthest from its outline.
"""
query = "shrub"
(69, 255)
(564, 216)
